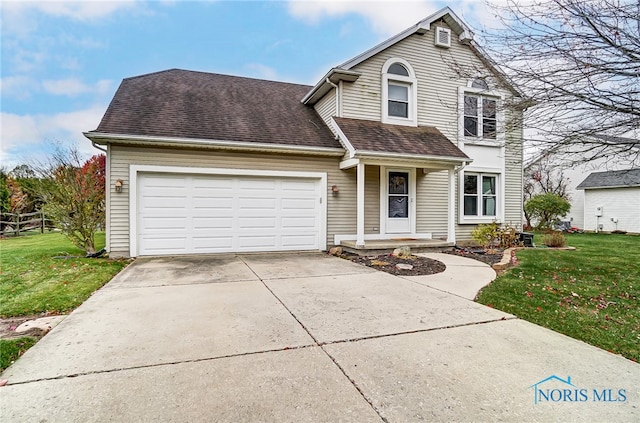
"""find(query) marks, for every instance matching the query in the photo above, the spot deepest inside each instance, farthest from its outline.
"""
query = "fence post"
(17, 224)
(41, 222)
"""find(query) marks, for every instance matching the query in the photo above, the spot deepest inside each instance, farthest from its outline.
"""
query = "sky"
(63, 61)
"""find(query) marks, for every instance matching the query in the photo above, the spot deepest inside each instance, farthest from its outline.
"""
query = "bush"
(546, 209)
(554, 240)
(492, 235)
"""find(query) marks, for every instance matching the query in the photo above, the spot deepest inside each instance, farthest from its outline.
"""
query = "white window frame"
(500, 119)
(410, 82)
(476, 219)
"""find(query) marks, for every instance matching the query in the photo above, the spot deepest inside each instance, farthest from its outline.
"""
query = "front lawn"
(32, 281)
(590, 294)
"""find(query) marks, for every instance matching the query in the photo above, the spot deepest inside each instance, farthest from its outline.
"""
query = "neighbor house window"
(480, 116)
(398, 93)
(480, 195)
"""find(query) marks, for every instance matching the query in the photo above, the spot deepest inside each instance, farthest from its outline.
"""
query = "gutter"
(106, 139)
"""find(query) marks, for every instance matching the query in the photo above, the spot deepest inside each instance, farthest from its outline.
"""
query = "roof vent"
(443, 37)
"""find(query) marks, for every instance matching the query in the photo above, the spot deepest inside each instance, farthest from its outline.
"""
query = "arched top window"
(398, 69)
(480, 84)
(399, 87)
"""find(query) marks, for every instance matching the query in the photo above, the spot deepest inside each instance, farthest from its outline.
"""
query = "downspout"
(328, 81)
(99, 148)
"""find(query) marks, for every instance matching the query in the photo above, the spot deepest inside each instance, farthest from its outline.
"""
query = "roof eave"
(335, 75)
(364, 154)
(464, 33)
(102, 138)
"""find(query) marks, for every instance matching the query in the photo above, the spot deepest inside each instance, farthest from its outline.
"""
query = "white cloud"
(386, 17)
(85, 10)
(258, 70)
(19, 87)
(72, 87)
(26, 136)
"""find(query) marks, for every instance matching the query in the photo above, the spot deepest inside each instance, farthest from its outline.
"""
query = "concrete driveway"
(307, 338)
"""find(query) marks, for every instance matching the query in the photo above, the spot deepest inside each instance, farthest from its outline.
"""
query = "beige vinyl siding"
(372, 200)
(326, 107)
(437, 105)
(437, 95)
(513, 181)
(341, 211)
(432, 203)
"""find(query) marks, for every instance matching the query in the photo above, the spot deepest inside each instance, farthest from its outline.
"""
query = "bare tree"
(578, 62)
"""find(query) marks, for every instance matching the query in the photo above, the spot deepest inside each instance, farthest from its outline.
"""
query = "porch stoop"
(386, 246)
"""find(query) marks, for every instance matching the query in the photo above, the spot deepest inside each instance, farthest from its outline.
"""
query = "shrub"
(546, 209)
(554, 239)
(492, 235)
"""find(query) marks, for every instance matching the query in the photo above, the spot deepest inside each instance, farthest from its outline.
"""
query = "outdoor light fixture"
(118, 185)
(335, 190)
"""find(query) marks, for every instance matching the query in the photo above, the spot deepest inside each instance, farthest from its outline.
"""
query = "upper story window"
(399, 88)
(480, 112)
(479, 117)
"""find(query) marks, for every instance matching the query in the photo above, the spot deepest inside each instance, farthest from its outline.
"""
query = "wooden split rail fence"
(13, 224)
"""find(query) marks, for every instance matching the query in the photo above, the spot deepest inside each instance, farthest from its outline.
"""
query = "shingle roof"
(612, 179)
(186, 104)
(373, 136)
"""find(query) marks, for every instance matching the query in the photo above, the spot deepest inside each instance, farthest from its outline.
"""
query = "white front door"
(398, 201)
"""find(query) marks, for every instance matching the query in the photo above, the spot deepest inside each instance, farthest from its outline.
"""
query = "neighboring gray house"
(574, 164)
(612, 201)
(395, 143)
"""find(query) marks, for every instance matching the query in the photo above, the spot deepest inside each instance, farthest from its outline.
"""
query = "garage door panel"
(181, 214)
(298, 222)
(205, 223)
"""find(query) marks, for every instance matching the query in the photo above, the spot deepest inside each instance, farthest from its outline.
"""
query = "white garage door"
(186, 214)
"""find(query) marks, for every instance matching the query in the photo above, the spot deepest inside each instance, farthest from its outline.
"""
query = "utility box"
(527, 239)
(599, 211)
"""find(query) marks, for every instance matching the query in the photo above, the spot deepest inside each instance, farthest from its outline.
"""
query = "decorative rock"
(39, 326)
(401, 252)
(404, 266)
(335, 251)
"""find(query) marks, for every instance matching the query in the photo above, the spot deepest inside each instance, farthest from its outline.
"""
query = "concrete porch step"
(386, 246)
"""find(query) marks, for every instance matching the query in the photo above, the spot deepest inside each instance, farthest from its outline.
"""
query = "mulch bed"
(387, 263)
(477, 254)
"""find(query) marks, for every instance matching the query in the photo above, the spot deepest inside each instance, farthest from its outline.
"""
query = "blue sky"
(63, 61)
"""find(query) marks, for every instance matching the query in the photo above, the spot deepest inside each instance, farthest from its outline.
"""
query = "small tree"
(546, 209)
(73, 192)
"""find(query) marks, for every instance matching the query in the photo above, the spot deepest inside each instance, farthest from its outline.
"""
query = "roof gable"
(198, 105)
(612, 179)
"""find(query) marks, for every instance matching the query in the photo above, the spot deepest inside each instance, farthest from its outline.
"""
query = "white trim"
(500, 196)
(351, 151)
(134, 170)
(420, 27)
(107, 199)
(500, 117)
(410, 82)
(451, 218)
(106, 138)
(384, 202)
(360, 204)
(338, 238)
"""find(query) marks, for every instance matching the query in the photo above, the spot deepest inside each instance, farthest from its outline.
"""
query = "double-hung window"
(480, 195)
(480, 116)
(399, 87)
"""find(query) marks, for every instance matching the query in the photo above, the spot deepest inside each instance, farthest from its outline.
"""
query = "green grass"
(32, 281)
(590, 294)
(12, 349)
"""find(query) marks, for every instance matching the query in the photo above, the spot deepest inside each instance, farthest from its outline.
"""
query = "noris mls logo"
(557, 390)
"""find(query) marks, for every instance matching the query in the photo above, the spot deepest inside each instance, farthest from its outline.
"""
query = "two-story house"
(409, 140)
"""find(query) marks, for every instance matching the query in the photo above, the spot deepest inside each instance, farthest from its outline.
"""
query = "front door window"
(398, 195)
(398, 202)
